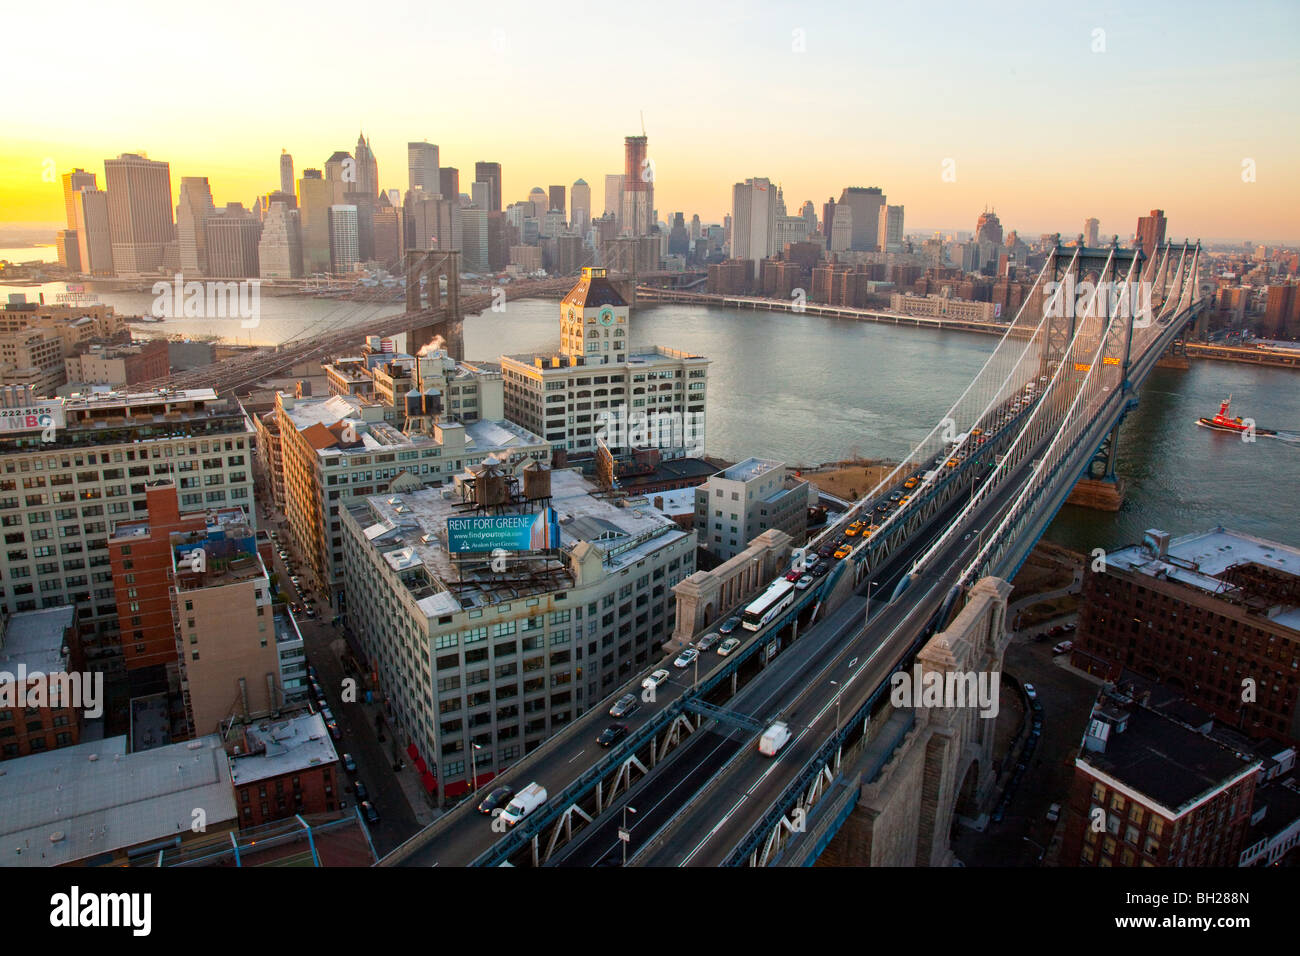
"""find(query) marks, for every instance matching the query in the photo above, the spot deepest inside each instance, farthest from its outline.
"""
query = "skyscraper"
(449, 182)
(367, 169)
(1090, 228)
(1151, 230)
(489, 173)
(556, 194)
(474, 238)
(638, 188)
(94, 245)
(753, 219)
(866, 204)
(614, 196)
(279, 253)
(341, 173)
(139, 212)
(192, 214)
(286, 172)
(71, 183)
(422, 167)
(344, 250)
(315, 196)
(891, 230)
(233, 235)
(988, 228)
(580, 207)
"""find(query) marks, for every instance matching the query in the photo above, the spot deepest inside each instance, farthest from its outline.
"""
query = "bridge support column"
(1101, 488)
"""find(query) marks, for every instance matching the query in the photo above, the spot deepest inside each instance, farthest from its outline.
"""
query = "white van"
(525, 802)
(774, 738)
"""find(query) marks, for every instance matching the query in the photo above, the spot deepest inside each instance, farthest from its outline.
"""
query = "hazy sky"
(1035, 122)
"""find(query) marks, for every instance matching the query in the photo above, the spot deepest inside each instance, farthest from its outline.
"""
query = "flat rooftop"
(78, 802)
(279, 747)
(643, 356)
(34, 639)
(410, 529)
(286, 628)
(1165, 761)
(751, 468)
(1197, 560)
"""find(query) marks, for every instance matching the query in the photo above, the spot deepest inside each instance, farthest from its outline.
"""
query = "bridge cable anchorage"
(1094, 404)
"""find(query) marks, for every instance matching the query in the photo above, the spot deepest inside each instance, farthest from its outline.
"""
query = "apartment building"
(741, 502)
(339, 447)
(285, 767)
(455, 391)
(68, 476)
(39, 654)
(480, 667)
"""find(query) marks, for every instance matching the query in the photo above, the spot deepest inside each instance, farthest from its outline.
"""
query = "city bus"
(778, 596)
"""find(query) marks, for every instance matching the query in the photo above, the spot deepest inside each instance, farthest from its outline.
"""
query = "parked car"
(686, 658)
(1063, 647)
(368, 808)
(707, 641)
(334, 730)
(495, 800)
(349, 764)
(727, 646)
(362, 792)
(612, 735)
(1029, 689)
(625, 705)
(729, 625)
(1054, 812)
(655, 679)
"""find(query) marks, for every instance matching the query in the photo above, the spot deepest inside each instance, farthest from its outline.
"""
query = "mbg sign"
(530, 532)
(32, 418)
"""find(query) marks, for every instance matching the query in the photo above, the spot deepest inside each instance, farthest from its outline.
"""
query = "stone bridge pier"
(943, 767)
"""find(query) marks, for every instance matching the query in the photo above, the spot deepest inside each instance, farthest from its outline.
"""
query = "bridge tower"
(432, 310)
(621, 256)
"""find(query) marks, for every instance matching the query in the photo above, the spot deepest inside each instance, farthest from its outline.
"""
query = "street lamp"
(624, 834)
(1042, 850)
(473, 765)
(870, 585)
(838, 690)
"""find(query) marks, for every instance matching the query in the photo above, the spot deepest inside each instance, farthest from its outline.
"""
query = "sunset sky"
(1037, 124)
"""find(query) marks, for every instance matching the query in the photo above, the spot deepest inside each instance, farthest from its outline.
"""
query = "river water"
(808, 389)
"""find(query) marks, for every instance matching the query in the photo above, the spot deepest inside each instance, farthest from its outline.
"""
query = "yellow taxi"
(843, 552)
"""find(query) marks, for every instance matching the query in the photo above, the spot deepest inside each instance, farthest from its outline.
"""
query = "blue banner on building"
(520, 532)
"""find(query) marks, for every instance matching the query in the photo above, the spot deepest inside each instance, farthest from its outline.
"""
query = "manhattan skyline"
(815, 101)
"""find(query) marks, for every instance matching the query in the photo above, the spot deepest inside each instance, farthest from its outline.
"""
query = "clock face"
(606, 316)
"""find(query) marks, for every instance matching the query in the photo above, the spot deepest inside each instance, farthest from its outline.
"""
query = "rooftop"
(1202, 560)
(35, 639)
(1170, 764)
(275, 748)
(751, 468)
(78, 802)
(410, 529)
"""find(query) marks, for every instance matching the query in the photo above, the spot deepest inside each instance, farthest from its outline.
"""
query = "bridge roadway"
(695, 810)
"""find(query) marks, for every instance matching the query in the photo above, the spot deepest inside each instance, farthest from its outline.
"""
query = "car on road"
(1054, 813)
(625, 705)
(826, 550)
(525, 802)
(1037, 705)
(843, 553)
(495, 800)
(362, 792)
(327, 713)
(810, 561)
(311, 612)
(1029, 689)
(820, 570)
(729, 625)
(368, 808)
(311, 672)
(349, 764)
(727, 646)
(612, 735)
(687, 657)
(1063, 647)
(707, 641)
(793, 575)
(657, 678)
(805, 582)
(296, 581)
(334, 730)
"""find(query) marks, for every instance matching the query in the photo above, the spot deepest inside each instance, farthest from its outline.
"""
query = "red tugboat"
(1223, 423)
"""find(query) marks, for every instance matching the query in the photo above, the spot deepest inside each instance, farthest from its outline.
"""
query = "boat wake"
(1288, 437)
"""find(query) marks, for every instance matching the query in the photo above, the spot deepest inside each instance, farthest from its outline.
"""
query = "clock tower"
(594, 321)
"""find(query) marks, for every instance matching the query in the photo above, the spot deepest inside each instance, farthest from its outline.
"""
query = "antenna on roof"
(642, 122)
